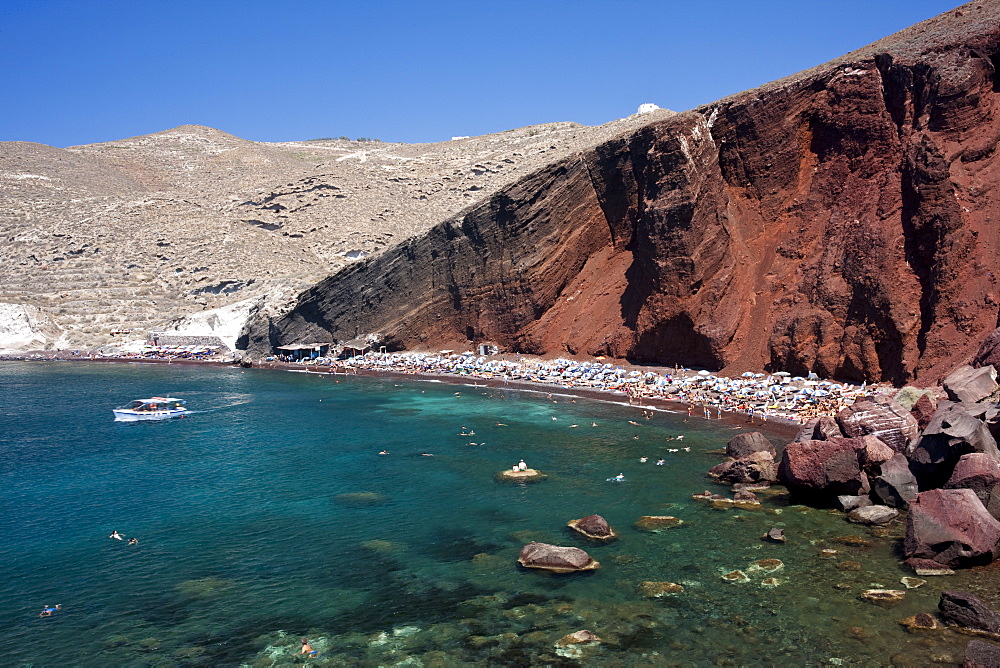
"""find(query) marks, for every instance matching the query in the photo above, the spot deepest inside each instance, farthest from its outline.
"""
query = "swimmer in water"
(620, 477)
(643, 459)
(384, 452)
(593, 424)
(307, 648)
(116, 535)
(133, 541)
(660, 462)
(48, 611)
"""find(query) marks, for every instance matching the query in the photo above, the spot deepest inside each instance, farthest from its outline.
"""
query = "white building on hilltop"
(647, 107)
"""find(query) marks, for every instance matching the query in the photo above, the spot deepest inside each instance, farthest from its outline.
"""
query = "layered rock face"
(837, 221)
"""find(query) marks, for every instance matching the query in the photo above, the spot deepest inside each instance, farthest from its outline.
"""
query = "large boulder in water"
(968, 611)
(555, 558)
(593, 526)
(981, 474)
(952, 432)
(758, 467)
(952, 527)
(823, 469)
(981, 654)
(895, 485)
(967, 383)
(745, 445)
(889, 421)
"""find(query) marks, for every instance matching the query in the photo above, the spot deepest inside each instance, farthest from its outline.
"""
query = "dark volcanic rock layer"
(839, 221)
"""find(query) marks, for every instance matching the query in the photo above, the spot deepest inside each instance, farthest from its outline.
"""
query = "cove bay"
(267, 515)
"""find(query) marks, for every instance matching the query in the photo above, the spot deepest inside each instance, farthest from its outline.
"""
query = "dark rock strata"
(836, 221)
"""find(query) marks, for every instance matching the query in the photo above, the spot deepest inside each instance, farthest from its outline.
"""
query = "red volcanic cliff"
(841, 221)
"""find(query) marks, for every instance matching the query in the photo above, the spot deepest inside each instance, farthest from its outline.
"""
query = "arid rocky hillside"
(843, 220)
(134, 233)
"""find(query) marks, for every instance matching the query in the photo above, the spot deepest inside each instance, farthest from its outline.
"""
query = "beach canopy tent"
(356, 347)
(299, 351)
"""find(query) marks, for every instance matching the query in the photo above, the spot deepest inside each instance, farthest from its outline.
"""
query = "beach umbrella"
(703, 372)
(781, 373)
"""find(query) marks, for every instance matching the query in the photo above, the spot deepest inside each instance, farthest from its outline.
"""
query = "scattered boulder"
(737, 577)
(848, 502)
(890, 422)
(968, 611)
(819, 429)
(951, 433)
(873, 515)
(745, 500)
(883, 597)
(951, 527)
(745, 445)
(775, 535)
(981, 654)
(823, 469)
(556, 558)
(908, 396)
(659, 589)
(872, 453)
(981, 474)
(923, 410)
(895, 485)
(593, 526)
(968, 383)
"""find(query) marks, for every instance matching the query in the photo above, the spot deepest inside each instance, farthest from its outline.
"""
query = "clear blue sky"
(85, 71)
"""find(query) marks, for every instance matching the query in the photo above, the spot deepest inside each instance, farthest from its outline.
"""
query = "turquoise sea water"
(267, 515)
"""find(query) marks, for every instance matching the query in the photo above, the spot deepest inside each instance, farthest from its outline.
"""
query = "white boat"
(154, 408)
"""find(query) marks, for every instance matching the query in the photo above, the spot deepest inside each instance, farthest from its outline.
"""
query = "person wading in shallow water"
(307, 648)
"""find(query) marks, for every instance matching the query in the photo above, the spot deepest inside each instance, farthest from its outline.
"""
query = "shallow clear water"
(267, 514)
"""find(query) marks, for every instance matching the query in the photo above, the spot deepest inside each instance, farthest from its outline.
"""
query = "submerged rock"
(736, 576)
(361, 499)
(593, 526)
(659, 589)
(883, 597)
(767, 565)
(921, 621)
(928, 567)
(556, 558)
(656, 523)
(912, 583)
(578, 638)
(527, 475)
